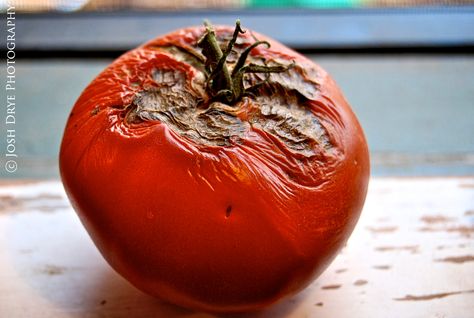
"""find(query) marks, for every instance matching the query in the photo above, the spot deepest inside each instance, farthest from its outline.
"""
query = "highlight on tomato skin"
(215, 168)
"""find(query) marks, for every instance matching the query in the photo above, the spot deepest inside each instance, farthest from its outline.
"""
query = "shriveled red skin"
(214, 228)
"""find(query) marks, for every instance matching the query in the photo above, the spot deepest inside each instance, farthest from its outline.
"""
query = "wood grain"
(391, 266)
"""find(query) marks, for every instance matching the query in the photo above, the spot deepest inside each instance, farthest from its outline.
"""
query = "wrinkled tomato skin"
(200, 226)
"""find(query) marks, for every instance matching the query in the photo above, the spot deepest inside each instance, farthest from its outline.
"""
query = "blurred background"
(102, 5)
(406, 67)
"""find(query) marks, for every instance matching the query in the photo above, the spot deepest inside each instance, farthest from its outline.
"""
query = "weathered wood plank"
(411, 255)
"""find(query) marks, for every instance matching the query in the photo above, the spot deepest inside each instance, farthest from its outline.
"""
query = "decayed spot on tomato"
(215, 168)
(206, 108)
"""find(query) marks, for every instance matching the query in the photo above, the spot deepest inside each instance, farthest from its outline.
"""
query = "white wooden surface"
(411, 255)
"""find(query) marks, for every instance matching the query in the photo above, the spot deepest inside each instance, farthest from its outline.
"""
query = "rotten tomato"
(215, 168)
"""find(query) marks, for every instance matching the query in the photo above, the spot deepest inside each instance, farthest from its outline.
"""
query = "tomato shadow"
(118, 297)
(113, 296)
(285, 308)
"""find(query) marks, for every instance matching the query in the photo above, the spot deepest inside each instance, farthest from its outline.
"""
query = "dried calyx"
(222, 84)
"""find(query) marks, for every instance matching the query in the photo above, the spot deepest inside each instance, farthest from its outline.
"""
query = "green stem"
(220, 84)
(213, 53)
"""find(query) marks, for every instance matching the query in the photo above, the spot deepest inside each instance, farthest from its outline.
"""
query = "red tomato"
(213, 171)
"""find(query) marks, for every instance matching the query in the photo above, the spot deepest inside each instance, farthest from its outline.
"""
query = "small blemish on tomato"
(228, 211)
(95, 111)
(150, 215)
